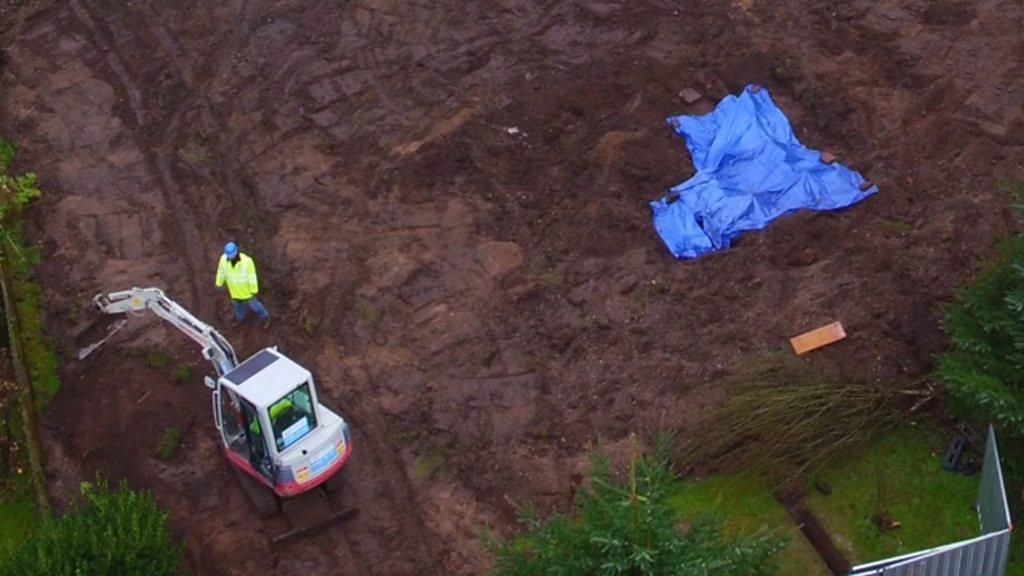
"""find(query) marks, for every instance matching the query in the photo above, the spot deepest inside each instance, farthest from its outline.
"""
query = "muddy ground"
(447, 204)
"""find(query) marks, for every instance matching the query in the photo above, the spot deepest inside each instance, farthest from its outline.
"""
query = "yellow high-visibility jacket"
(240, 277)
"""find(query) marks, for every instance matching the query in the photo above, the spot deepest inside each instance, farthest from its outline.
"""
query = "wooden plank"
(817, 338)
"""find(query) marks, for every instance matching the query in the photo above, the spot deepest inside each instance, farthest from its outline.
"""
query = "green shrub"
(169, 443)
(157, 360)
(183, 372)
(15, 193)
(7, 153)
(629, 527)
(984, 373)
(118, 532)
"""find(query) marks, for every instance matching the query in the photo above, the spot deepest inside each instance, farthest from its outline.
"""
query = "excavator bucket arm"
(138, 301)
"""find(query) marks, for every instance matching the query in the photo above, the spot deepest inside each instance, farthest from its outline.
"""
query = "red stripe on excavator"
(290, 488)
(293, 488)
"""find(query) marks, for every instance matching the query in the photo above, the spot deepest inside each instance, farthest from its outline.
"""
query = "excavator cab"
(273, 425)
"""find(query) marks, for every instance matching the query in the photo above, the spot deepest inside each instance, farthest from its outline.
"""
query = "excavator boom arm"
(137, 301)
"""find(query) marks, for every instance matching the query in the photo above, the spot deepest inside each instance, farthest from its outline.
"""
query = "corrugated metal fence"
(982, 556)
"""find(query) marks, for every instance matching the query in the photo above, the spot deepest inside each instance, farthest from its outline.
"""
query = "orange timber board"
(818, 337)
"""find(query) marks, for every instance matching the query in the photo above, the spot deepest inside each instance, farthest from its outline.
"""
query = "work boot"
(237, 322)
(266, 322)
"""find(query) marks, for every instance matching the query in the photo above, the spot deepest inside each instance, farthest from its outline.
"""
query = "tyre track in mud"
(420, 547)
(167, 58)
(159, 162)
(377, 482)
(229, 173)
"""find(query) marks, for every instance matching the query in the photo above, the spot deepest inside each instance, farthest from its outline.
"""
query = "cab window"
(292, 417)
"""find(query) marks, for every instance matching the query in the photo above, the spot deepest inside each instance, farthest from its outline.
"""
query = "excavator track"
(263, 500)
(310, 512)
(306, 513)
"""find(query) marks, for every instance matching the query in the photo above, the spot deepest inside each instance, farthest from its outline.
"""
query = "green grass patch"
(431, 462)
(157, 360)
(37, 351)
(899, 475)
(550, 278)
(309, 325)
(645, 293)
(368, 315)
(1015, 567)
(183, 372)
(745, 505)
(18, 515)
(895, 227)
(543, 269)
(169, 443)
(195, 153)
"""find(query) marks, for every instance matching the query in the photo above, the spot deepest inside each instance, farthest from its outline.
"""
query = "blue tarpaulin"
(751, 169)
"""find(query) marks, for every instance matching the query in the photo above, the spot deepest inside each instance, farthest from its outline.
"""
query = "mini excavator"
(280, 440)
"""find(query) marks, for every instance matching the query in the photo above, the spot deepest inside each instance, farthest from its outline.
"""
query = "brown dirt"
(482, 303)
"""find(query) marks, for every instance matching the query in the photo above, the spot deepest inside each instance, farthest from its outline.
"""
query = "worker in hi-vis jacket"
(238, 271)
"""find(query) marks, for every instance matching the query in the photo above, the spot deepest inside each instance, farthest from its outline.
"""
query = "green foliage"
(169, 443)
(113, 532)
(895, 227)
(431, 461)
(15, 191)
(642, 295)
(7, 153)
(195, 153)
(18, 512)
(309, 325)
(157, 360)
(550, 278)
(984, 373)
(183, 372)
(18, 515)
(367, 314)
(15, 194)
(631, 528)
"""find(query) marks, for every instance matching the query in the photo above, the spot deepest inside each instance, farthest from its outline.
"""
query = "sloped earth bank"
(447, 202)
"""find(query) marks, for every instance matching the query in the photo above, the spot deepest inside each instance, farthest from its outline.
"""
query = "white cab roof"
(265, 377)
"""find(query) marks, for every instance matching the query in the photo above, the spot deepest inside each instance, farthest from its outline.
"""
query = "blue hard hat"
(230, 249)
